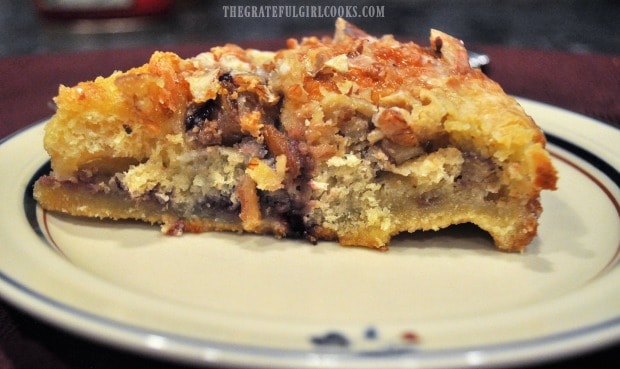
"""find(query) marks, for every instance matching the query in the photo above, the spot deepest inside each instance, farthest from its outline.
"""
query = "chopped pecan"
(395, 128)
(250, 209)
(279, 143)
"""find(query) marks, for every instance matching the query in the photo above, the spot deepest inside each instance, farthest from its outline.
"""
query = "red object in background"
(81, 9)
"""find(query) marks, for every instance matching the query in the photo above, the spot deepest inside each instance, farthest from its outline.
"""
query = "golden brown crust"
(418, 100)
(350, 138)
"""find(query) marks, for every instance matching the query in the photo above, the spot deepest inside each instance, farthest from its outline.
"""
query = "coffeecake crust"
(350, 138)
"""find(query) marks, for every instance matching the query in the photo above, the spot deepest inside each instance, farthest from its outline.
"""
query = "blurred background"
(56, 26)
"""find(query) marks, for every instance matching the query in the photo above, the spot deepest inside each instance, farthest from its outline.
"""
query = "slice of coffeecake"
(351, 138)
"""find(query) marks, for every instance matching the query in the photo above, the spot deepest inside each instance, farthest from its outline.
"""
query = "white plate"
(444, 299)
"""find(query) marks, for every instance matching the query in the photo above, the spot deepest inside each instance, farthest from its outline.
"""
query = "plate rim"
(28, 300)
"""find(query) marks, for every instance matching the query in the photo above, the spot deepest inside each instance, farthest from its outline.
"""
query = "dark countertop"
(579, 26)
